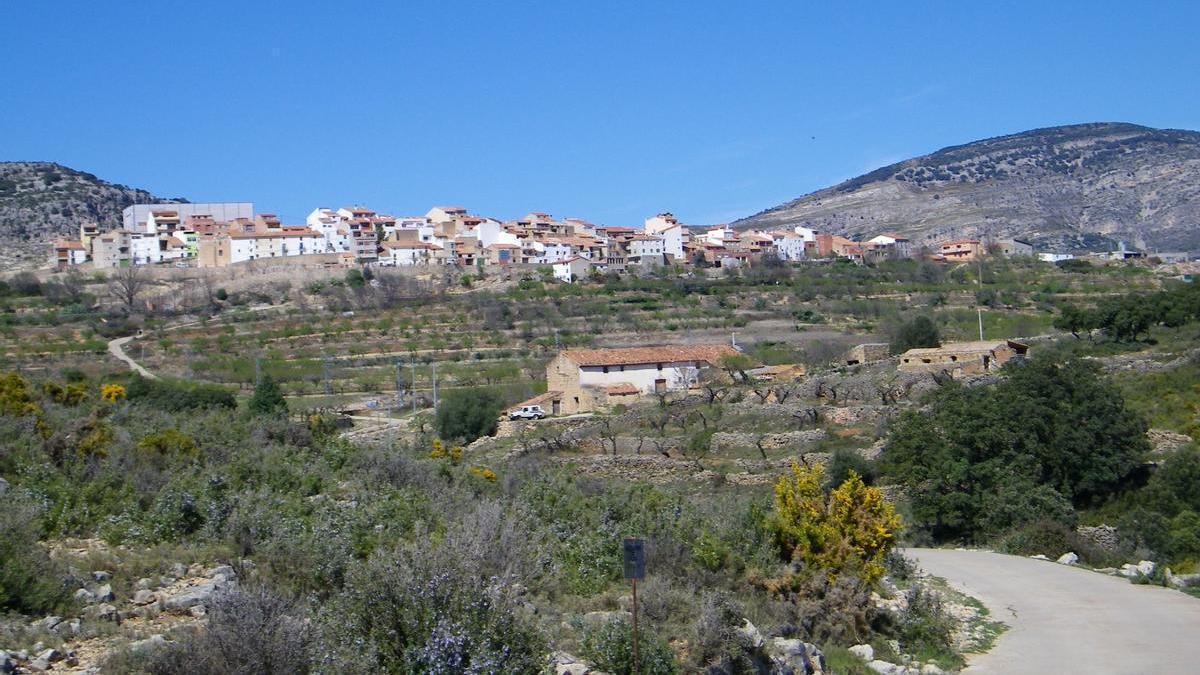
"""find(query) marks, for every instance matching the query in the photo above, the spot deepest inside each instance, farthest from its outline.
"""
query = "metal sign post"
(635, 568)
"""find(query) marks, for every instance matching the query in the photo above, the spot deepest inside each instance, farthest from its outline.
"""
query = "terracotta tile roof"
(69, 243)
(411, 244)
(979, 346)
(538, 400)
(625, 356)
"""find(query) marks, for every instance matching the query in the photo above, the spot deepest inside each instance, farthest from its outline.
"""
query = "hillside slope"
(1071, 187)
(43, 200)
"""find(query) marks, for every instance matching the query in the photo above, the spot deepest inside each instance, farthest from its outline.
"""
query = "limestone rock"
(749, 636)
(144, 584)
(105, 593)
(1068, 559)
(47, 623)
(106, 612)
(1184, 580)
(101, 576)
(864, 652)
(794, 657)
(85, 596)
(156, 640)
(885, 668)
(190, 596)
(144, 597)
(1103, 536)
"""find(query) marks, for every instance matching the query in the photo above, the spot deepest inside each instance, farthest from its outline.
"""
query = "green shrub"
(1050, 437)
(30, 581)
(925, 629)
(468, 413)
(421, 611)
(176, 396)
(845, 460)
(921, 331)
(247, 631)
(267, 398)
(610, 647)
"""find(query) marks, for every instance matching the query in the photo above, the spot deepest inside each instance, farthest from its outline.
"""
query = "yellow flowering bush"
(851, 528)
(112, 392)
(484, 473)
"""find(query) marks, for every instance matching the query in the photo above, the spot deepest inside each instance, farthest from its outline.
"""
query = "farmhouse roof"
(626, 356)
(966, 347)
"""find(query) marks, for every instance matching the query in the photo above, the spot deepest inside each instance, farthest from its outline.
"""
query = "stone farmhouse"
(581, 380)
(962, 358)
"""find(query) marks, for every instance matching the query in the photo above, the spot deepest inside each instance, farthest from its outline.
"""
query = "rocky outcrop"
(1105, 537)
(1068, 188)
(41, 200)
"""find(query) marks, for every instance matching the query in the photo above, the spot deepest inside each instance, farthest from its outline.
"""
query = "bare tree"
(69, 288)
(608, 432)
(807, 416)
(715, 387)
(126, 284)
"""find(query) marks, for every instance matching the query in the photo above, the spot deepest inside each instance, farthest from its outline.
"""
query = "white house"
(716, 235)
(806, 233)
(400, 253)
(667, 227)
(645, 248)
(1055, 257)
(445, 214)
(788, 246)
(329, 225)
(898, 244)
(144, 249)
(554, 251)
(68, 253)
(572, 269)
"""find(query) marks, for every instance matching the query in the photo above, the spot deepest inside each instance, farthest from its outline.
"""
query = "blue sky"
(610, 111)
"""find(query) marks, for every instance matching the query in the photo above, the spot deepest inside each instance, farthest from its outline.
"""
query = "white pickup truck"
(527, 412)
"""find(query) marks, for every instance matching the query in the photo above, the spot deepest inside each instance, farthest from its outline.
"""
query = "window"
(605, 369)
(660, 366)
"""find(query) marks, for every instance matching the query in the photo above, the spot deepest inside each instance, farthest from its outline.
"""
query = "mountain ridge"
(1070, 187)
(40, 201)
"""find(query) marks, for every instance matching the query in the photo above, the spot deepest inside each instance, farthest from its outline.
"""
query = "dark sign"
(635, 558)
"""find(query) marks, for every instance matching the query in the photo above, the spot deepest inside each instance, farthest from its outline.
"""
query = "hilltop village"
(227, 234)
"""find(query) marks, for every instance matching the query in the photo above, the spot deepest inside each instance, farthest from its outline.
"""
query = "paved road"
(117, 348)
(1070, 620)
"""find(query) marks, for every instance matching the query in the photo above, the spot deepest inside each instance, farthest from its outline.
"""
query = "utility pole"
(435, 397)
(399, 383)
